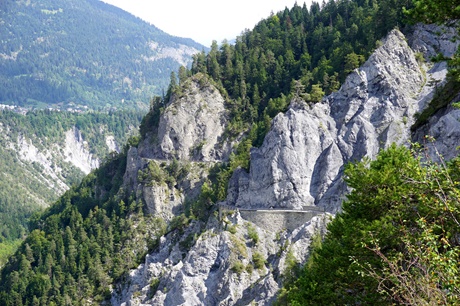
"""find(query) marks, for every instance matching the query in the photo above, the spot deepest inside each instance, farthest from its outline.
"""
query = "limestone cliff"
(444, 131)
(76, 151)
(234, 258)
(223, 267)
(53, 167)
(301, 160)
(190, 133)
(192, 124)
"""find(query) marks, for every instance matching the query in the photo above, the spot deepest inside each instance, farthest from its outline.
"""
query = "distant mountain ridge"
(88, 53)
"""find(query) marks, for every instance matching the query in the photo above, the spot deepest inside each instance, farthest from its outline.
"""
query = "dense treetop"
(80, 245)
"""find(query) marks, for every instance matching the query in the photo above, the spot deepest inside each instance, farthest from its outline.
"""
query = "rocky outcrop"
(193, 123)
(431, 40)
(440, 136)
(50, 173)
(190, 134)
(212, 263)
(163, 201)
(76, 151)
(112, 144)
(221, 267)
(302, 158)
(163, 195)
(443, 128)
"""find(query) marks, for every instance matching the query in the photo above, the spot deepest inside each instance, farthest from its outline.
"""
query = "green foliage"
(239, 247)
(86, 53)
(238, 267)
(232, 229)
(292, 266)
(152, 119)
(188, 242)
(203, 206)
(178, 223)
(81, 245)
(419, 57)
(396, 240)
(252, 234)
(258, 260)
(7, 249)
(152, 175)
(316, 93)
(435, 11)
(353, 61)
(249, 269)
(154, 284)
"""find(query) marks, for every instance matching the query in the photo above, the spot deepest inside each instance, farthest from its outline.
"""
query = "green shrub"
(238, 267)
(253, 235)
(258, 260)
(232, 229)
(249, 268)
(239, 247)
(154, 283)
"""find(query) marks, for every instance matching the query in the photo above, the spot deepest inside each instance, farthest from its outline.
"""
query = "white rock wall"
(193, 123)
(302, 158)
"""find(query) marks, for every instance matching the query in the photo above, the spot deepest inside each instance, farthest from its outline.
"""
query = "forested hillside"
(80, 250)
(86, 244)
(83, 53)
(27, 186)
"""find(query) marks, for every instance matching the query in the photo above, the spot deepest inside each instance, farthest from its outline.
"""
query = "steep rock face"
(301, 160)
(430, 40)
(190, 133)
(163, 201)
(76, 152)
(212, 263)
(443, 130)
(219, 268)
(193, 123)
(162, 195)
(29, 153)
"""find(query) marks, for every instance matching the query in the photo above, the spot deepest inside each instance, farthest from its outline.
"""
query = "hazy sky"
(204, 20)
